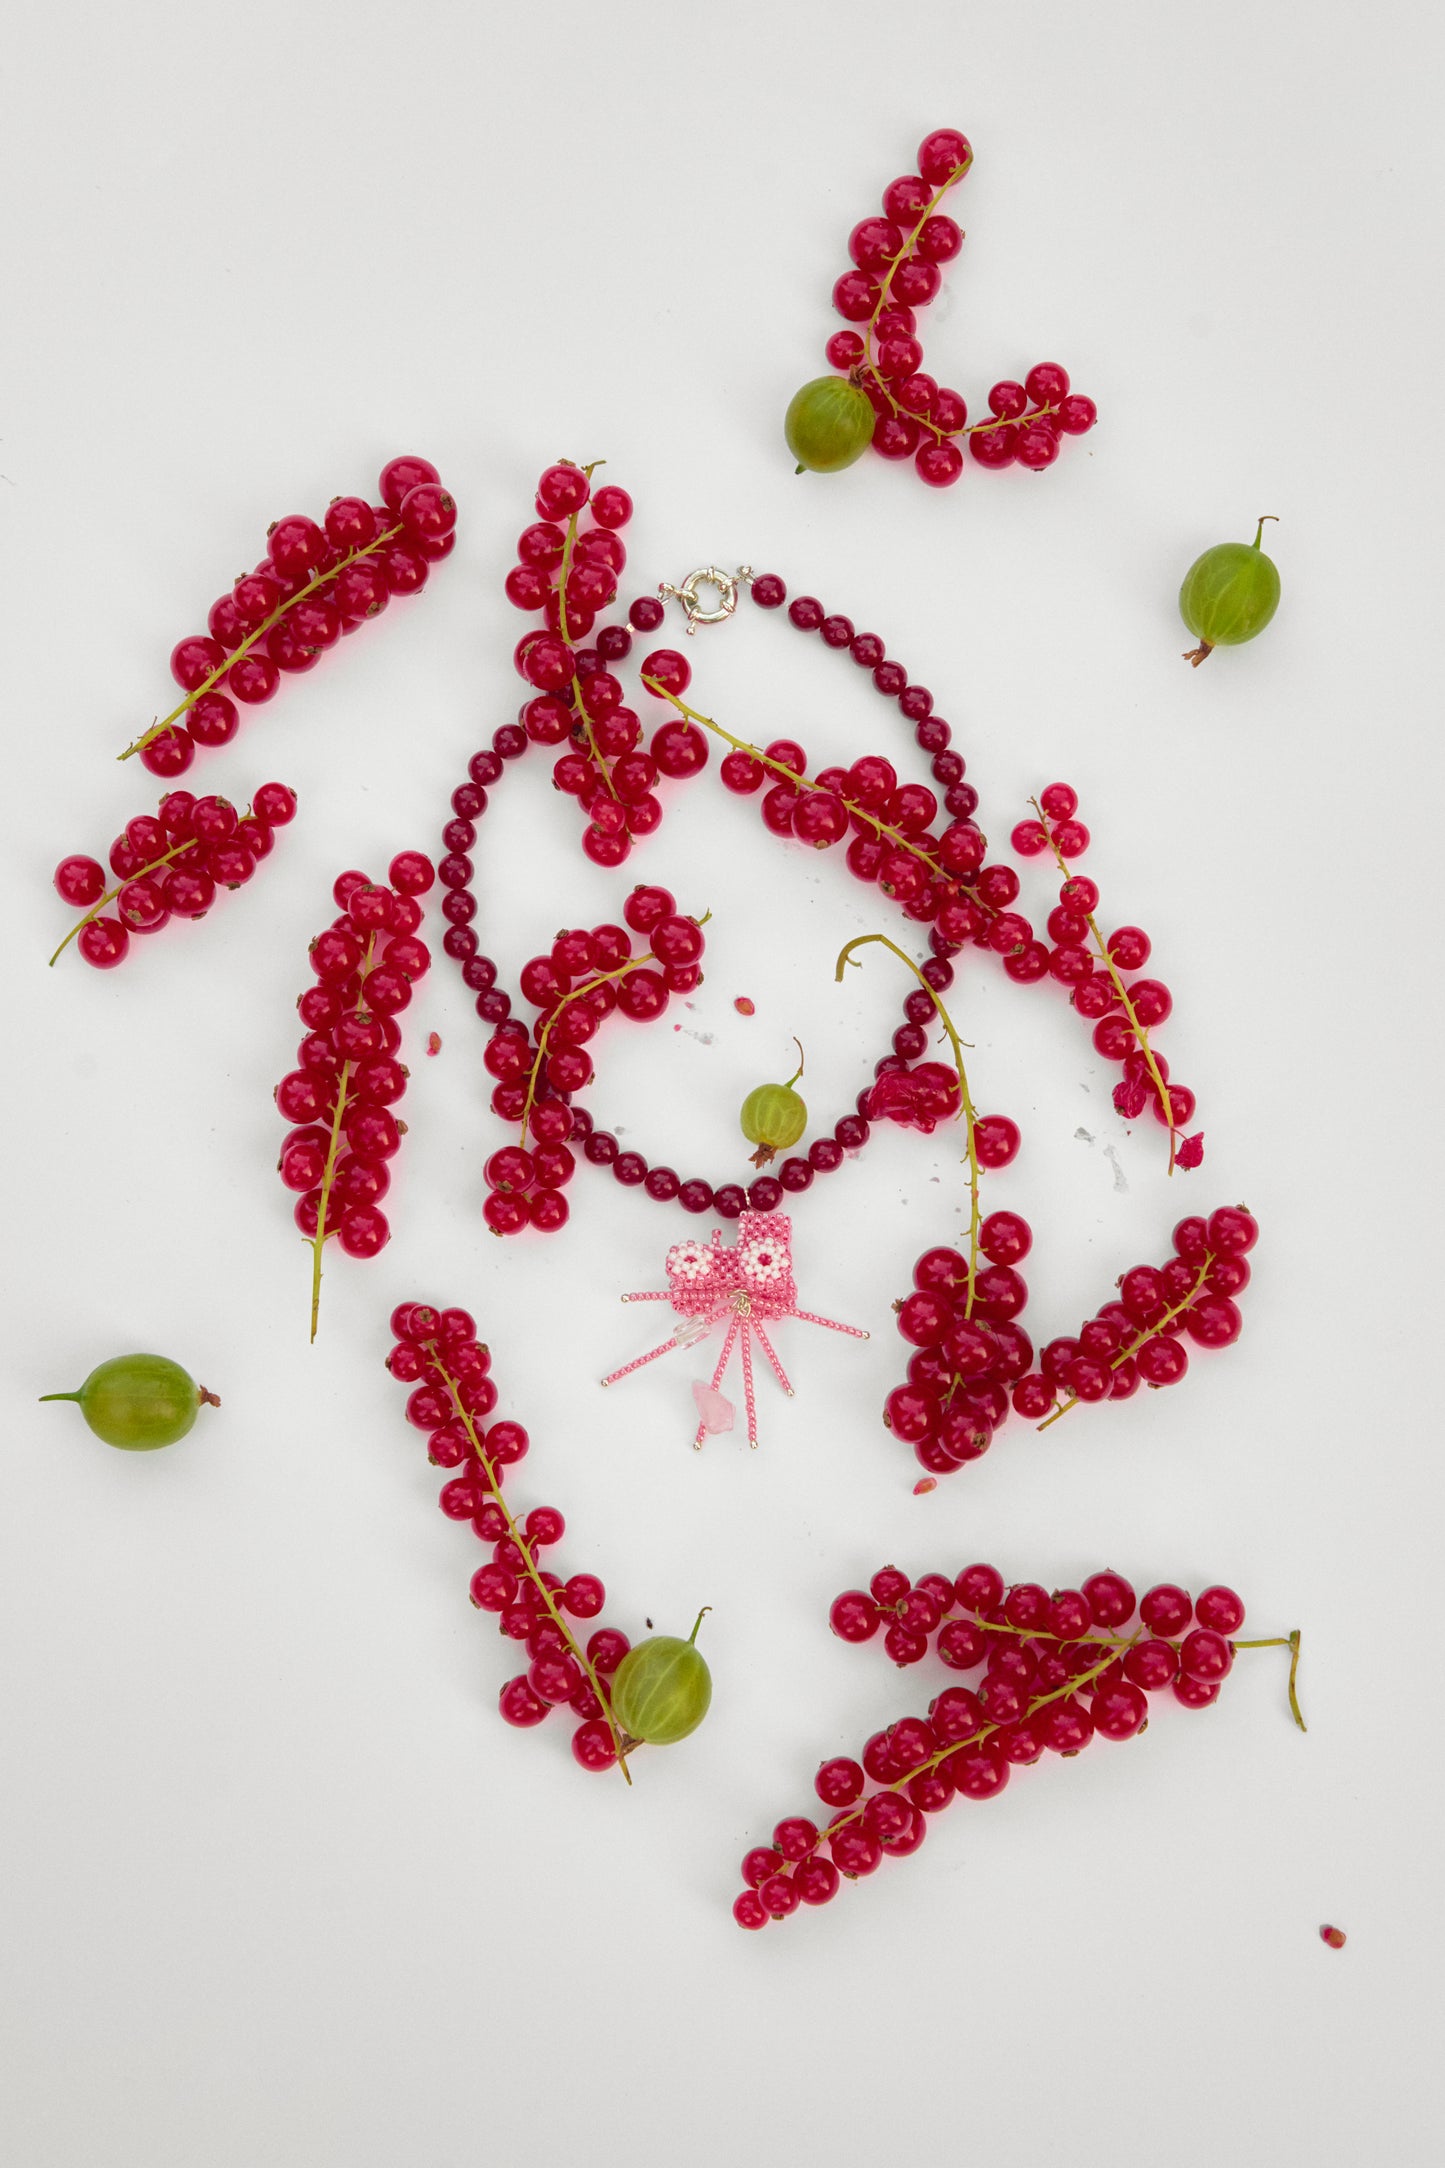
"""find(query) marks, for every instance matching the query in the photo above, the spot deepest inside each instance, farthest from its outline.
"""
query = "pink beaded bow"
(746, 1284)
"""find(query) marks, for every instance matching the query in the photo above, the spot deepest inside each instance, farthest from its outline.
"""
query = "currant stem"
(1139, 1030)
(803, 782)
(1121, 1644)
(1145, 1332)
(567, 548)
(328, 1174)
(965, 1102)
(603, 978)
(1284, 1641)
(974, 429)
(620, 1740)
(1059, 1693)
(213, 678)
(904, 252)
(111, 894)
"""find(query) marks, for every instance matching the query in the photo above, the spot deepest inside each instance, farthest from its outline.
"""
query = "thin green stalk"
(965, 1101)
(210, 682)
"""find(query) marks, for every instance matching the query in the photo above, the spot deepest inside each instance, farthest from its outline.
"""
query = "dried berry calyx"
(139, 1402)
(1229, 595)
(774, 1116)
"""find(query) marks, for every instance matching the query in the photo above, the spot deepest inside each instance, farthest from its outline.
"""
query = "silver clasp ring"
(726, 584)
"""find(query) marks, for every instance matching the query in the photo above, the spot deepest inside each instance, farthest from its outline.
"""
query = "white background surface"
(279, 1886)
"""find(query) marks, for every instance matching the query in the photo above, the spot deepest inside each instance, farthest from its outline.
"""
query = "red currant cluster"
(1058, 1670)
(315, 583)
(168, 864)
(920, 1097)
(437, 1355)
(939, 879)
(347, 1077)
(586, 977)
(1103, 980)
(896, 272)
(973, 1361)
(569, 572)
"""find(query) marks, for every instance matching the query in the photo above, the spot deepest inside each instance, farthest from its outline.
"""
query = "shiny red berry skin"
(1231, 1231)
(854, 1616)
(1205, 1656)
(939, 464)
(1219, 1609)
(941, 154)
(996, 1140)
(399, 476)
(427, 512)
(80, 882)
(1110, 1598)
(1166, 1610)
(103, 942)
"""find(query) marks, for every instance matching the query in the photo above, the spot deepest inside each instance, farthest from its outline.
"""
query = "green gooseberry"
(139, 1402)
(1229, 595)
(662, 1689)
(774, 1116)
(829, 424)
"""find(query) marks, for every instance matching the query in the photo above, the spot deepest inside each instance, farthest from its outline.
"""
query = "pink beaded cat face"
(739, 1286)
(756, 1275)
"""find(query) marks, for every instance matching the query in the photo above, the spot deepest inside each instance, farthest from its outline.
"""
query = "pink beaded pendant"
(746, 1286)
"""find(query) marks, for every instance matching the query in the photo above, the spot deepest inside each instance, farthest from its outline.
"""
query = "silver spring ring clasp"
(726, 585)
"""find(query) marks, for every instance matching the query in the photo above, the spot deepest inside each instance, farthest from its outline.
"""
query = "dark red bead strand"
(170, 864)
(1052, 1671)
(933, 735)
(317, 582)
(339, 1098)
(452, 1397)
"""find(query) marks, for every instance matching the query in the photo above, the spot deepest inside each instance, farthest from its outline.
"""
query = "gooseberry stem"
(269, 624)
(1140, 1031)
(1259, 530)
(965, 1102)
(59, 1396)
(792, 1080)
(702, 1614)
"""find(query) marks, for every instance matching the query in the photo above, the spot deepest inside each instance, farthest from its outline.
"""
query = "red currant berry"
(1219, 1609)
(399, 476)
